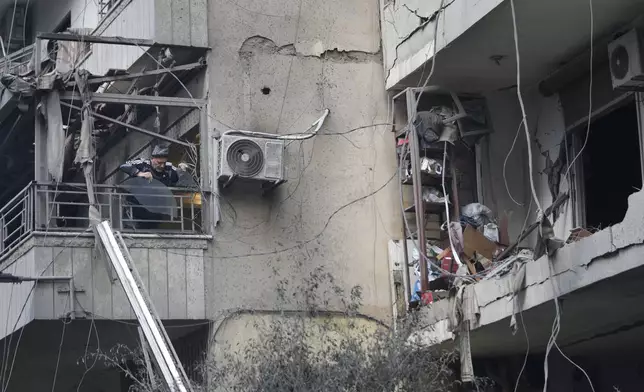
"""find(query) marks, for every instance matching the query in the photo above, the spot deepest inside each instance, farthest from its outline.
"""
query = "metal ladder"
(151, 327)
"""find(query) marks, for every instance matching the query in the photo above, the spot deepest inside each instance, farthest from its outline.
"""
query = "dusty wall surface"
(319, 332)
(311, 56)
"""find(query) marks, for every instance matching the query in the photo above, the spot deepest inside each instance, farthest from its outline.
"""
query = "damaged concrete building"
(89, 85)
(474, 163)
(566, 77)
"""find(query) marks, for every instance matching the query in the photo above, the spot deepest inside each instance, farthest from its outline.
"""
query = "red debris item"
(427, 298)
(447, 261)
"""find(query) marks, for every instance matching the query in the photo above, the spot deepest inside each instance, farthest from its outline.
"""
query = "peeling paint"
(262, 45)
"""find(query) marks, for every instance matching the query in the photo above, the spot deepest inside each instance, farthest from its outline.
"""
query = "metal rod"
(135, 99)
(418, 191)
(116, 78)
(456, 211)
(558, 202)
(130, 126)
(95, 39)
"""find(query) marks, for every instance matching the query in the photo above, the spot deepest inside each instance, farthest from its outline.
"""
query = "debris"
(560, 200)
(504, 236)
(491, 232)
(476, 243)
(577, 234)
(429, 127)
(547, 243)
(433, 195)
(479, 214)
(431, 166)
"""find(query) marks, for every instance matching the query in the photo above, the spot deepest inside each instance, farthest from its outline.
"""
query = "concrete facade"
(274, 67)
(596, 280)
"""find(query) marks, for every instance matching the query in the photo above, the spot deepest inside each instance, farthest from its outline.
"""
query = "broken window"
(610, 166)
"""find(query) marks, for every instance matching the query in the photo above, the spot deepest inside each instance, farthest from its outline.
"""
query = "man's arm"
(132, 168)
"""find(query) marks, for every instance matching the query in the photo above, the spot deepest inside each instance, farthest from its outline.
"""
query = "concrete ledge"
(86, 240)
(603, 255)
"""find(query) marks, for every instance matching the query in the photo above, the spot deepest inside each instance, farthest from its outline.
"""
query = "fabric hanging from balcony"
(55, 135)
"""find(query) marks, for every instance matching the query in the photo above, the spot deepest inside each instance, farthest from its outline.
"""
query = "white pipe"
(300, 136)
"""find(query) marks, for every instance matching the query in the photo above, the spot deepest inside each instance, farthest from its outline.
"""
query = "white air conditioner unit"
(625, 60)
(251, 158)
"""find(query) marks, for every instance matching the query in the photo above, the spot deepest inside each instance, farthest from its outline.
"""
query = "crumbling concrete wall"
(408, 30)
(547, 130)
(604, 255)
(274, 67)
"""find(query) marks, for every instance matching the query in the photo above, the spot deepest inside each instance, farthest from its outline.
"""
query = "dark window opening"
(611, 166)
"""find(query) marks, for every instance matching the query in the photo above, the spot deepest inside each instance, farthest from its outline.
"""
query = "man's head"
(159, 157)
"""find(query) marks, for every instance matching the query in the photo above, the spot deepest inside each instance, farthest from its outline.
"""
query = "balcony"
(475, 40)
(67, 209)
(55, 248)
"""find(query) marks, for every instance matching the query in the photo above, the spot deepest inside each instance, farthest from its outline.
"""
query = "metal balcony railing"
(65, 207)
(18, 62)
(17, 220)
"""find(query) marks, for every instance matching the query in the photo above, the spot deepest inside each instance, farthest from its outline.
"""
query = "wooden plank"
(158, 276)
(177, 298)
(195, 284)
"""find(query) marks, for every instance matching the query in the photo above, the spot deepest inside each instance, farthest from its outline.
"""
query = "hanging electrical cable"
(523, 110)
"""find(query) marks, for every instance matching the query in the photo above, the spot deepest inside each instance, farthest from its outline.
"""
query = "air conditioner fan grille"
(245, 158)
(619, 62)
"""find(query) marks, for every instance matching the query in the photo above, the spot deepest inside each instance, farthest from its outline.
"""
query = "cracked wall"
(505, 182)
(408, 31)
(275, 65)
(612, 252)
